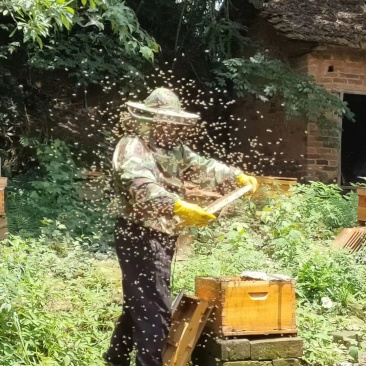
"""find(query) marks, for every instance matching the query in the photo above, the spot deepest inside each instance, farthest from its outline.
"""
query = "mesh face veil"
(162, 105)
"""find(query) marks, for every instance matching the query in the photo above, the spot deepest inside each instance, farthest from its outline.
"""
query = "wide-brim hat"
(162, 105)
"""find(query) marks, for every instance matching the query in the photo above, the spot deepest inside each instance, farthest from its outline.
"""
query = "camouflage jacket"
(149, 180)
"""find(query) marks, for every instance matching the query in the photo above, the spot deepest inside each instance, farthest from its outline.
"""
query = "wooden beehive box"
(361, 212)
(248, 307)
(3, 184)
(276, 184)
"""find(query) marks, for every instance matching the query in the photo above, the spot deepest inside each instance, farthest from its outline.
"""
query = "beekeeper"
(150, 166)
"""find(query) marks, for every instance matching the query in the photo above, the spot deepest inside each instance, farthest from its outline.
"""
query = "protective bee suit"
(150, 166)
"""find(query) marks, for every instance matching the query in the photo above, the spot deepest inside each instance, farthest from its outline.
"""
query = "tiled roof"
(339, 22)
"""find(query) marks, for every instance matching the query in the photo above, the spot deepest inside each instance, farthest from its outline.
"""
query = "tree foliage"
(268, 78)
(91, 41)
(42, 19)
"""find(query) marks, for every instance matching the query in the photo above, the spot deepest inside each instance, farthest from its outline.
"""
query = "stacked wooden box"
(361, 212)
(269, 186)
(252, 324)
(3, 221)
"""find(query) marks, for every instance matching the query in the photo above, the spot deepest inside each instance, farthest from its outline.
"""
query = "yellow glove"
(192, 214)
(243, 180)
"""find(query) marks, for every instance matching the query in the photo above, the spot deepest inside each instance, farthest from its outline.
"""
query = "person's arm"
(210, 173)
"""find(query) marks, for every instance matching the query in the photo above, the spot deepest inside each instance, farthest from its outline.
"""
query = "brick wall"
(339, 70)
(271, 144)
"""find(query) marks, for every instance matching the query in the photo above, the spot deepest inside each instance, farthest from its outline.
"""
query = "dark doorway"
(353, 159)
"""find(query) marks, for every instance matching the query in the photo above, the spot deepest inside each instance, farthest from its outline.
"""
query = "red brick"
(351, 76)
(328, 86)
(340, 80)
(333, 162)
(329, 169)
(327, 79)
(355, 82)
(329, 156)
(314, 144)
(324, 150)
(354, 70)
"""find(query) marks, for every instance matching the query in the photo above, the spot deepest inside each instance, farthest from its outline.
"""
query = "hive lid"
(253, 275)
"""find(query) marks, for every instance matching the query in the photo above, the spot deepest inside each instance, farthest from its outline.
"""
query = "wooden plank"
(227, 199)
(350, 238)
(183, 352)
(2, 202)
(187, 324)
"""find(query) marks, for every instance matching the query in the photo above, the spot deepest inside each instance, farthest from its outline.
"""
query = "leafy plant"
(266, 78)
(90, 57)
(41, 19)
(54, 194)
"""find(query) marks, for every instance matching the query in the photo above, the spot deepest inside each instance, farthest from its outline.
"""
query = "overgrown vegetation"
(58, 59)
(60, 286)
(57, 303)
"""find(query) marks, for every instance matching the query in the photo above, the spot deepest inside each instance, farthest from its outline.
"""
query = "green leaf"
(353, 352)
(147, 52)
(39, 41)
(70, 10)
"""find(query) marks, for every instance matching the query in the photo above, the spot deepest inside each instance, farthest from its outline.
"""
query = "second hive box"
(249, 307)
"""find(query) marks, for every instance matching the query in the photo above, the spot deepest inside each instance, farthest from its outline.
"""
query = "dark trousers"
(145, 257)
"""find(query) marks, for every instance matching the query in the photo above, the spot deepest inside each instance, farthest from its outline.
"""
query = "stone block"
(226, 349)
(3, 227)
(271, 349)
(286, 362)
(247, 363)
(204, 359)
(347, 337)
(232, 349)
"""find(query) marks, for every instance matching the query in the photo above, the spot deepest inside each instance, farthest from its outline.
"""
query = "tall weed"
(56, 306)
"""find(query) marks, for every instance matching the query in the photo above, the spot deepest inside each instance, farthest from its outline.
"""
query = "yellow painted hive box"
(275, 185)
(3, 184)
(249, 307)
